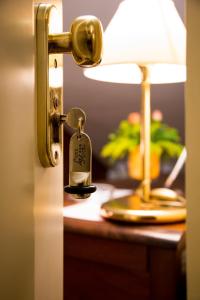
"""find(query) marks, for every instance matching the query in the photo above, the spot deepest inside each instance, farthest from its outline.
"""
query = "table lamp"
(145, 42)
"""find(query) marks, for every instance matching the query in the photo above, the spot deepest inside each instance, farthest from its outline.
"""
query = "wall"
(30, 197)
(112, 102)
(193, 146)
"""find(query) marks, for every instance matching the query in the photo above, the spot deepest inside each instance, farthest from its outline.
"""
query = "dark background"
(107, 103)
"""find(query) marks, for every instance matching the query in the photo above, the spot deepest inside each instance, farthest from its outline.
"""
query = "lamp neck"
(145, 135)
(145, 74)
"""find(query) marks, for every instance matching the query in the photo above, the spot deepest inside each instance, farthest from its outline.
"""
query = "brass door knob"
(84, 41)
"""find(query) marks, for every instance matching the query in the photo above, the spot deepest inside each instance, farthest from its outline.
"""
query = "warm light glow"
(155, 212)
(143, 32)
(55, 21)
(130, 73)
(56, 77)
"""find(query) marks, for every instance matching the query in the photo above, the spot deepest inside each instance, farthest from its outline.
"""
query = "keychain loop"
(80, 126)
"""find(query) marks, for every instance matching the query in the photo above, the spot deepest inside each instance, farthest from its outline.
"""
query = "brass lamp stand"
(145, 135)
(146, 206)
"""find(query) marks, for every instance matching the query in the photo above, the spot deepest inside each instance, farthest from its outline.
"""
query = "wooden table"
(104, 260)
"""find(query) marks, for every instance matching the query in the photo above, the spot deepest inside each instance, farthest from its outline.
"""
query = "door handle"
(84, 42)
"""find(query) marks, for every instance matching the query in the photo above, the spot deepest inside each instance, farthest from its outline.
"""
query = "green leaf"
(165, 140)
(170, 148)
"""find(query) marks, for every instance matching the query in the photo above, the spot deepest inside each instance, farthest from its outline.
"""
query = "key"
(74, 117)
(80, 155)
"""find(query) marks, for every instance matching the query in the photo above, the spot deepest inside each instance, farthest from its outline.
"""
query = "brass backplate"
(49, 81)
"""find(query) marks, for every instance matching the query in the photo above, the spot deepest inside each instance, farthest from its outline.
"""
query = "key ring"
(80, 126)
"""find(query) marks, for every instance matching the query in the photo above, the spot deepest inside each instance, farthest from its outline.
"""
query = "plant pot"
(135, 164)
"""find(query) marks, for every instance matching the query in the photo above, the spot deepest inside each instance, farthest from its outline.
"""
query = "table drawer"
(85, 280)
(107, 251)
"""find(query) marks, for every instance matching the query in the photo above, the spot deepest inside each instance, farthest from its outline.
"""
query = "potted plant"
(125, 142)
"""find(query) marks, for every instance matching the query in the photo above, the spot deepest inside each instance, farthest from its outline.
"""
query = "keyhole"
(56, 155)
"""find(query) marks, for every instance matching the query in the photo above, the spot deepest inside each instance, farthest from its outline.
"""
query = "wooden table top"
(84, 218)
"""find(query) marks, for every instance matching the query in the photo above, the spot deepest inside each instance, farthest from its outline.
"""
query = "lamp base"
(133, 209)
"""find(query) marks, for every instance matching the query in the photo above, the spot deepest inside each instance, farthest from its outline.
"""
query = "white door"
(31, 197)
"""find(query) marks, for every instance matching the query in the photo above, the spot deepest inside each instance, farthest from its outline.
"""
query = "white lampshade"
(143, 32)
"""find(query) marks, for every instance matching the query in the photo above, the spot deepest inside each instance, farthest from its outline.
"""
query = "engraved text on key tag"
(80, 161)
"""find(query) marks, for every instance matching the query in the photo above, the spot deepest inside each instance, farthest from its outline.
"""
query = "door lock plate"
(49, 86)
(84, 42)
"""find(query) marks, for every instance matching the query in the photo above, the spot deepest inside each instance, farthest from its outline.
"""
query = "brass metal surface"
(134, 209)
(60, 43)
(167, 194)
(49, 96)
(74, 116)
(146, 206)
(145, 136)
(84, 41)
